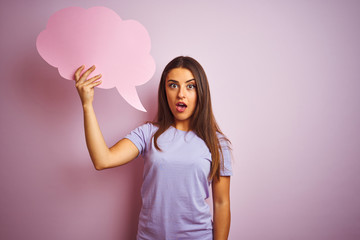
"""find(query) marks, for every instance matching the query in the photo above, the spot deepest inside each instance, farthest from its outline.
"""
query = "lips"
(181, 107)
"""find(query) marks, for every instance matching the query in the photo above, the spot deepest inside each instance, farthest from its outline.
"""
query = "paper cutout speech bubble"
(119, 49)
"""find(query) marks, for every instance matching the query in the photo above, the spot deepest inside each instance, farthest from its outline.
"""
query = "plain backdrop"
(284, 78)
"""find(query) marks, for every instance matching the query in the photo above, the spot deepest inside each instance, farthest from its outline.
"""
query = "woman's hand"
(84, 86)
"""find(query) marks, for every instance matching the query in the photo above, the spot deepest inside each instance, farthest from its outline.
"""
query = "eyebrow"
(170, 80)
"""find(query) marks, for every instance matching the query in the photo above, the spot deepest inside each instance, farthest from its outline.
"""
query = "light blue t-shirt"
(175, 184)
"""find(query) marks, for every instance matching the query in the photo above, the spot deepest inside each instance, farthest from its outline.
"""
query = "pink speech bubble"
(119, 49)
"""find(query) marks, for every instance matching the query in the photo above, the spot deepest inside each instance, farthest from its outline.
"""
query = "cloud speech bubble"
(119, 49)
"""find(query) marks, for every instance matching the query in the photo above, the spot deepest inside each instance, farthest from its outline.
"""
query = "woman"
(184, 151)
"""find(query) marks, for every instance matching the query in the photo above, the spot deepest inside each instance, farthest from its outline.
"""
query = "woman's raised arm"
(102, 157)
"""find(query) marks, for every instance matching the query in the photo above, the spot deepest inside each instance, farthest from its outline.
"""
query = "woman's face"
(181, 96)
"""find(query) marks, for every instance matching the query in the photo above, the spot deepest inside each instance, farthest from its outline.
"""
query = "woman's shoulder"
(151, 125)
(143, 132)
(148, 128)
(223, 140)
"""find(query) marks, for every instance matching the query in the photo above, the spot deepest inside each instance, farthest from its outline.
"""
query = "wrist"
(87, 106)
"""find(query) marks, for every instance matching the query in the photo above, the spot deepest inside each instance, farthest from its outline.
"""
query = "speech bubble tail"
(132, 97)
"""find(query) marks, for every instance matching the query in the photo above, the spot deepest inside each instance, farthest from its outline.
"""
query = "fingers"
(82, 78)
(78, 72)
(91, 82)
(94, 84)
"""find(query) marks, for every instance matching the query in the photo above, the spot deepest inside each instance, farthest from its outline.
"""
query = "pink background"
(285, 85)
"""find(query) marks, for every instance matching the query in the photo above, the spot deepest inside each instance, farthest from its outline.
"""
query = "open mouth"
(180, 107)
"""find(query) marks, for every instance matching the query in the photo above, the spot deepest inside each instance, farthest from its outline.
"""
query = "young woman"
(183, 150)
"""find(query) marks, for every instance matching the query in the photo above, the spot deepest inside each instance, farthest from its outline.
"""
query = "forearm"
(98, 150)
(222, 218)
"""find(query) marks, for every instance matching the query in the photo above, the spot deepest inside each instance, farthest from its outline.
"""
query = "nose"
(181, 93)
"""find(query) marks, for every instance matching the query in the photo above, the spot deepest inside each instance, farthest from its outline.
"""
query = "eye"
(172, 85)
(191, 86)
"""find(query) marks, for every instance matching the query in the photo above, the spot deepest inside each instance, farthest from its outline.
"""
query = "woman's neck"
(182, 125)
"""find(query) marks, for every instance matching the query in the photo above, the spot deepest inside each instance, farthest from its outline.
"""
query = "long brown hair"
(202, 122)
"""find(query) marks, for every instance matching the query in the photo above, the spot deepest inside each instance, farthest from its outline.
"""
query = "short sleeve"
(226, 168)
(140, 137)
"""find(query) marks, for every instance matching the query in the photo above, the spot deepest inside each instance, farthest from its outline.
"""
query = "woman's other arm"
(102, 157)
(221, 208)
